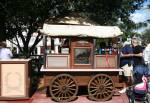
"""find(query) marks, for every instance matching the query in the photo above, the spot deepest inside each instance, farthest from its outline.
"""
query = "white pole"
(56, 44)
(38, 50)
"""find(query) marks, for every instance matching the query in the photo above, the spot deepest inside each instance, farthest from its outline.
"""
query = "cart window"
(82, 55)
(60, 45)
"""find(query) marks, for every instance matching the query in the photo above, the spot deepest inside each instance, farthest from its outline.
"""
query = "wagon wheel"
(100, 87)
(63, 88)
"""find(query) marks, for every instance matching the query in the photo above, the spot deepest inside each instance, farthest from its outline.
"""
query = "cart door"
(82, 53)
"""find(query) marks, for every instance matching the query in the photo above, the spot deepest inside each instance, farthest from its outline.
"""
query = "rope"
(107, 60)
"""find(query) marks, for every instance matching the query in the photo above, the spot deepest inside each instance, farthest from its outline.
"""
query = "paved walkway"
(41, 98)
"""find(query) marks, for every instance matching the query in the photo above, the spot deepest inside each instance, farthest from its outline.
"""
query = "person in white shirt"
(146, 53)
(5, 53)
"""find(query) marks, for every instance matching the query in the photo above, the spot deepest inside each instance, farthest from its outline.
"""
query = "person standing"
(5, 53)
(137, 52)
(132, 59)
(133, 53)
(126, 53)
(146, 54)
(125, 64)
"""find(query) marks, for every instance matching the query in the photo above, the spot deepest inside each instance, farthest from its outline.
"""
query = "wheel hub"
(64, 88)
(101, 88)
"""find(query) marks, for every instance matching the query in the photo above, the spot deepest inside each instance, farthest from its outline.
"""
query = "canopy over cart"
(81, 31)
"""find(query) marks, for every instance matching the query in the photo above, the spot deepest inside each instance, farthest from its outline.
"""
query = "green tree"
(29, 15)
(146, 33)
(2, 20)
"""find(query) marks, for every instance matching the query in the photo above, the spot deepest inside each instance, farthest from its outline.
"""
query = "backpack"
(139, 71)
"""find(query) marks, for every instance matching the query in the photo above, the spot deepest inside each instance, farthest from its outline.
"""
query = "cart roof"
(81, 31)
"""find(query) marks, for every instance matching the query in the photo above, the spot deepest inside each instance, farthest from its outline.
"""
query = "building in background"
(39, 48)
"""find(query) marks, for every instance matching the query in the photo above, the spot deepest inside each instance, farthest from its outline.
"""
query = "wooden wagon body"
(74, 60)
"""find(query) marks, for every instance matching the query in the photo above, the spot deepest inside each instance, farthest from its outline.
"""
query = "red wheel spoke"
(107, 81)
(55, 89)
(71, 92)
(93, 84)
(111, 87)
(99, 80)
(72, 89)
(104, 80)
(57, 83)
(71, 82)
(108, 84)
(72, 86)
(59, 95)
(93, 90)
(93, 87)
(56, 92)
(95, 93)
(55, 86)
(68, 81)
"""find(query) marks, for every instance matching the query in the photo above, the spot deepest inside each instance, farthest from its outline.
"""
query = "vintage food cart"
(80, 56)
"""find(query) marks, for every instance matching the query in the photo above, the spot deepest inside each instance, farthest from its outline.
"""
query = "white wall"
(11, 45)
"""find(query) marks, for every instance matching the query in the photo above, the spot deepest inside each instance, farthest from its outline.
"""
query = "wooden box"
(14, 79)
(105, 61)
(58, 61)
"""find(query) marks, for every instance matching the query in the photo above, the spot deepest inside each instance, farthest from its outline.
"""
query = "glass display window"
(82, 56)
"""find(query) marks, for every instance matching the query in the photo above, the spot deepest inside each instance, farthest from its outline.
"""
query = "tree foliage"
(29, 15)
(146, 33)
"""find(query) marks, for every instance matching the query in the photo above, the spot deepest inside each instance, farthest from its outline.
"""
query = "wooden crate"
(14, 79)
(105, 61)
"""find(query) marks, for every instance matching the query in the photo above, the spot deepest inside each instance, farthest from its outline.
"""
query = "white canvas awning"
(81, 31)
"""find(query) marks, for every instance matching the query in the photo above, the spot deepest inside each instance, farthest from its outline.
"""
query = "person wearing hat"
(5, 53)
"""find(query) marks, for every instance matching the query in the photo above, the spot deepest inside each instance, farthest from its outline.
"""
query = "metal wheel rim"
(100, 87)
(63, 88)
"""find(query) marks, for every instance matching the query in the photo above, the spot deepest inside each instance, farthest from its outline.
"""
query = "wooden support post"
(45, 49)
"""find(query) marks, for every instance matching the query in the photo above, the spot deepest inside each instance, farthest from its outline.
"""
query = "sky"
(142, 15)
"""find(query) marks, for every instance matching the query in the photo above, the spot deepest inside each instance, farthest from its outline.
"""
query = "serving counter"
(62, 61)
(58, 61)
(14, 79)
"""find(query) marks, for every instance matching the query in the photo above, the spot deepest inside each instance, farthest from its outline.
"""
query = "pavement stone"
(41, 98)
